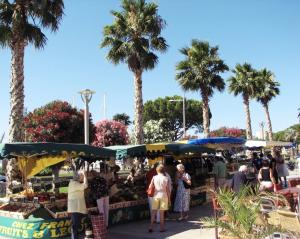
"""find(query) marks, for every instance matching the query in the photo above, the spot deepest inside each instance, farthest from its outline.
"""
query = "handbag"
(151, 190)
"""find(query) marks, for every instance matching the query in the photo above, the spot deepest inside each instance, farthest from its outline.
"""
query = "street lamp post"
(262, 125)
(183, 113)
(86, 96)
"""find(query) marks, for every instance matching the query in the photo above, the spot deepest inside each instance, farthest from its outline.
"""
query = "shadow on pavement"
(189, 229)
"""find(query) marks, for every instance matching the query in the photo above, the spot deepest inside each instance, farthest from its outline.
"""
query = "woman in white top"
(161, 197)
(76, 201)
(182, 200)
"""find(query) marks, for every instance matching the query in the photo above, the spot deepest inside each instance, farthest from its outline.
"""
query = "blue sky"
(264, 33)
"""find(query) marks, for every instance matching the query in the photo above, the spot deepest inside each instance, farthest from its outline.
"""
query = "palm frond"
(244, 81)
(268, 88)
(26, 23)
(34, 35)
(5, 35)
(201, 68)
(138, 26)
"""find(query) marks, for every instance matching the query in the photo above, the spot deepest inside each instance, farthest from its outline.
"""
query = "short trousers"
(160, 204)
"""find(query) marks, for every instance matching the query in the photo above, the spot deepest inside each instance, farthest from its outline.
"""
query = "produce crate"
(62, 204)
(18, 213)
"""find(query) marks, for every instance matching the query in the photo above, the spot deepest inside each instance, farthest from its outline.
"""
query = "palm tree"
(244, 82)
(132, 39)
(20, 24)
(200, 71)
(269, 89)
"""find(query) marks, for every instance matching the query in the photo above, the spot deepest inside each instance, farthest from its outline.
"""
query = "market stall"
(267, 144)
(225, 147)
(36, 212)
(170, 154)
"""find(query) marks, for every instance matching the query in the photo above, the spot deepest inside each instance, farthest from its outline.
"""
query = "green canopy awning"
(29, 149)
(124, 151)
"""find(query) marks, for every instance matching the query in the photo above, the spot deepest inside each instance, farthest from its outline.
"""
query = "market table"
(291, 190)
(292, 195)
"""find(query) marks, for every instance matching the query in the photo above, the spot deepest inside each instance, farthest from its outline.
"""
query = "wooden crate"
(59, 203)
(17, 215)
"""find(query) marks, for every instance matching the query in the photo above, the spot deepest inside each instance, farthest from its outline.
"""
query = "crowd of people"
(266, 170)
(168, 186)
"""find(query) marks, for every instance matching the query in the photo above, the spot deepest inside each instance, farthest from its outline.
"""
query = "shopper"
(182, 200)
(76, 201)
(265, 177)
(239, 179)
(256, 161)
(282, 169)
(99, 187)
(149, 176)
(161, 197)
(220, 171)
(273, 166)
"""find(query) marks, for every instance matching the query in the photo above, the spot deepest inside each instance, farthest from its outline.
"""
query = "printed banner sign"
(54, 228)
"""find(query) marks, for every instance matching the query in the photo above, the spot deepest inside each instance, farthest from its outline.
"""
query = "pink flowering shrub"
(110, 132)
(56, 122)
(228, 132)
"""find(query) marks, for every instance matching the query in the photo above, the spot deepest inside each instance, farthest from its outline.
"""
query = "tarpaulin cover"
(29, 149)
(124, 151)
(217, 140)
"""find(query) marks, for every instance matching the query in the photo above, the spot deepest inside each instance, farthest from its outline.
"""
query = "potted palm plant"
(242, 216)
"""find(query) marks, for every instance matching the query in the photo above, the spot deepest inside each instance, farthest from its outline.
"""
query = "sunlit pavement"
(190, 229)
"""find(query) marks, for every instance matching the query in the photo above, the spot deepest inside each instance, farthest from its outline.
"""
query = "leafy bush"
(110, 132)
(228, 132)
(57, 122)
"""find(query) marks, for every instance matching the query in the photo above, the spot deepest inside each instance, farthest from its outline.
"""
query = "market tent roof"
(45, 149)
(154, 150)
(220, 143)
(267, 144)
(123, 151)
(179, 148)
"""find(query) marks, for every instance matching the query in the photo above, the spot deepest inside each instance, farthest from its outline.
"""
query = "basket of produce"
(17, 210)
(57, 209)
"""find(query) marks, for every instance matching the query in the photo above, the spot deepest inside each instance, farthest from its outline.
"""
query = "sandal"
(180, 219)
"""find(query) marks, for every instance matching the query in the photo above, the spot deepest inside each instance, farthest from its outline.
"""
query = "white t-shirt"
(76, 200)
(160, 183)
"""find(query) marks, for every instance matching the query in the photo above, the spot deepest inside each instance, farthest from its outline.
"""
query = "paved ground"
(190, 229)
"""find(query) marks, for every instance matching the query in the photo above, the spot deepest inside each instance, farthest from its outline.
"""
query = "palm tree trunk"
(248, 117)
(16, 108)
(268, 118)
(138, 108)
(205, 113)
(17, 92)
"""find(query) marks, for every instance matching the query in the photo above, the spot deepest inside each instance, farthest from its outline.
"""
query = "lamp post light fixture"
(183, 113)
(262, 126)
(86, 96)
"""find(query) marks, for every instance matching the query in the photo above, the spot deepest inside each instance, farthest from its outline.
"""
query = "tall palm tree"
(133, 38)
(200, 71)
(269, 89)
(20, 24)
(244, 83)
